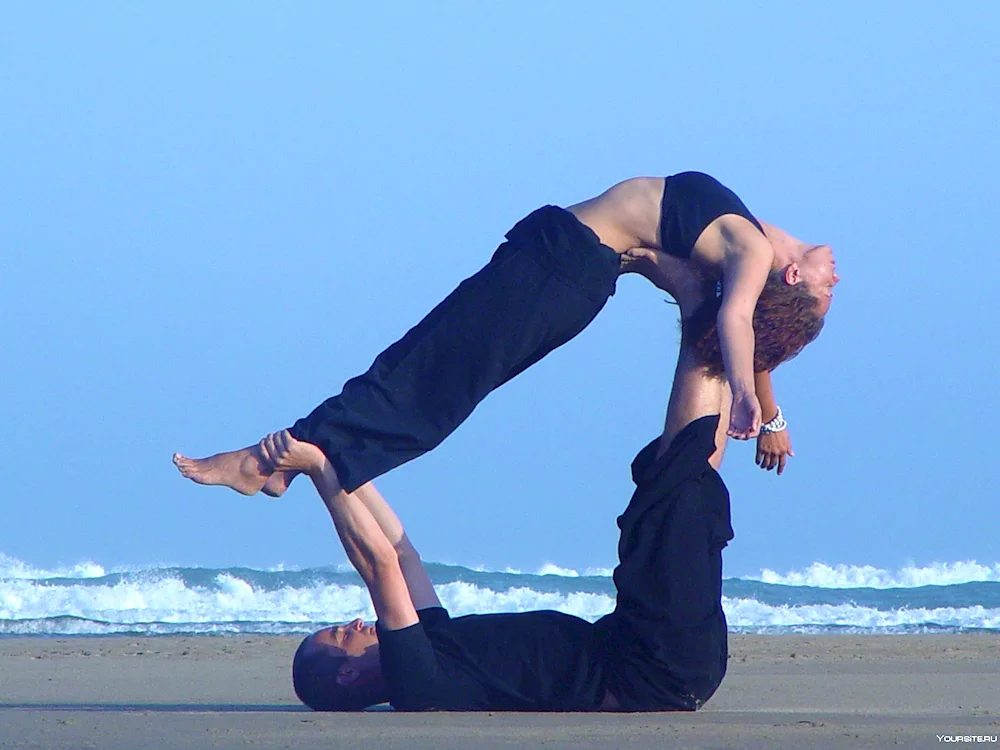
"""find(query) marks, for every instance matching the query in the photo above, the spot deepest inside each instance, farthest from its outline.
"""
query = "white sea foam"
(866, 576)
(231, 604)
(750, 613)
(487, 569)
(169, 600)
(166, 600)
(13, 568)
(466, 599)
(818, 574)
(549, 569)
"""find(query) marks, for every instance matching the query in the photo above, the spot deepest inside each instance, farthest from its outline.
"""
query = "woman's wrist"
(775, 424)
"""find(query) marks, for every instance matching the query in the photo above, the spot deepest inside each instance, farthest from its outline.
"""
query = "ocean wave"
(752, 614)
(467, 599)
(551, 569)
(169, 599)
(88, 599)
(227, 603)
(821, 575)
(817, 575)
(12, 568)
(546, 569)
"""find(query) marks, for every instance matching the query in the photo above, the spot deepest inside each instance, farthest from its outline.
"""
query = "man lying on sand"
(663, 648)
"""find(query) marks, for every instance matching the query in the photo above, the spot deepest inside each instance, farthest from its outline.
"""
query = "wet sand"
(234, 692)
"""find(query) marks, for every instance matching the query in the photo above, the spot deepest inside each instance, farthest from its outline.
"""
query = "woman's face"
(818, 271)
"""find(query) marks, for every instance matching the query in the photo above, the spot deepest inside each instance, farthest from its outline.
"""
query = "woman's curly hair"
(784, 321)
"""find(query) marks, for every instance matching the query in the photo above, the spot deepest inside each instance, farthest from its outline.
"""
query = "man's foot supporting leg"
(244, 470)
(694, 393)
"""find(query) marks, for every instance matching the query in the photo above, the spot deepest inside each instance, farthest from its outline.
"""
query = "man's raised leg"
(694, 393)
(668, 630)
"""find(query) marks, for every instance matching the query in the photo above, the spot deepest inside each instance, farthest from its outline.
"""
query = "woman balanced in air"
(543, 286)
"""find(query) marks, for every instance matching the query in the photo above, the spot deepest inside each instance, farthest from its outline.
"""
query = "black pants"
(542, 287)
(666, 642)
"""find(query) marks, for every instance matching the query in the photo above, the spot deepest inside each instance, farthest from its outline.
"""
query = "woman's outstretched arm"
(773, 448)
(746, 263)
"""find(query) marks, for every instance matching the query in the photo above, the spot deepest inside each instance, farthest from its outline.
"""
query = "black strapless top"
(692, 201)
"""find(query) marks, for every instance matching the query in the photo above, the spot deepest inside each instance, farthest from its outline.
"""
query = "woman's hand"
(285, 453)
(744, 418)
(773, 450)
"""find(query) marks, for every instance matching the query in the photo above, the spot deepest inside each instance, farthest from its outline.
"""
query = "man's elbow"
(373, 561)
(383, 558)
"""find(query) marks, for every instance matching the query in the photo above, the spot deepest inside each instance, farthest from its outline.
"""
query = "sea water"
(87, 599)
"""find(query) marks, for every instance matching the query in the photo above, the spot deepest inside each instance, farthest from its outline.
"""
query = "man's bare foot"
(244, 470)
(278, 482)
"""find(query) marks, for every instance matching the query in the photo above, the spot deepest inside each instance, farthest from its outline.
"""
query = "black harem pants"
(541, 288)
(666, 643)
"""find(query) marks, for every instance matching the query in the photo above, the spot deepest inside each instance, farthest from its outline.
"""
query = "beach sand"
(234, 692)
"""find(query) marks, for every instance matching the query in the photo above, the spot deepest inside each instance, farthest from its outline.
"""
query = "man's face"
(353, 639)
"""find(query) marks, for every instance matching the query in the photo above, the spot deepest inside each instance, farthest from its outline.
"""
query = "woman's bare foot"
(284, 453)
(244, 470)
(278, 482)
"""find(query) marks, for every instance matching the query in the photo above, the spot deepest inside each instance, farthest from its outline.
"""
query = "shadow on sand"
(201, 708)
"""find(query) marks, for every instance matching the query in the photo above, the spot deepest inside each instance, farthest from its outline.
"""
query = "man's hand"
(285, 453)
(773, 449)
(745, 417)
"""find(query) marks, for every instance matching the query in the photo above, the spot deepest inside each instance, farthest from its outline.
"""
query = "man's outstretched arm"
(421, 589)
(366, 544)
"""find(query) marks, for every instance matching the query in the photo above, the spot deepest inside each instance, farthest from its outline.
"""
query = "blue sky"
(211, 216)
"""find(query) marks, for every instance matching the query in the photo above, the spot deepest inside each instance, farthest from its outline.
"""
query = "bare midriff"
(625, 216)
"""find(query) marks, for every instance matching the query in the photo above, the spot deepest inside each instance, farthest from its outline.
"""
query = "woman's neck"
(787, 249)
